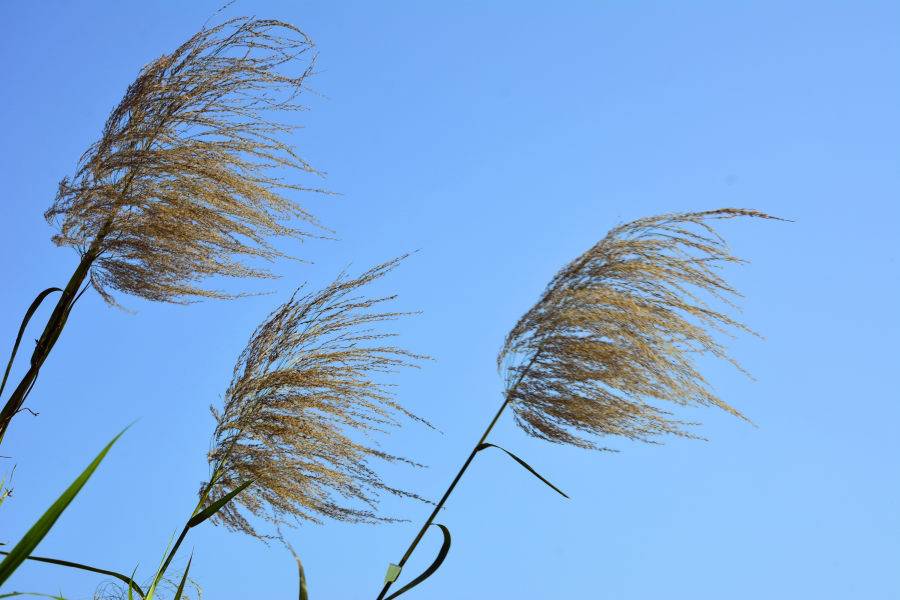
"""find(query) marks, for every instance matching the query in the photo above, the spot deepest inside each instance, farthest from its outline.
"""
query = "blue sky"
(503, 140)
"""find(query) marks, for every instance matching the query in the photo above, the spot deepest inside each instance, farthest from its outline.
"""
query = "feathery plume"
(611, 331)
(180, 175)
(607, 333)
(300, 383)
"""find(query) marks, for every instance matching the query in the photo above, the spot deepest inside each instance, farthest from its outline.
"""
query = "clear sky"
(503, 139)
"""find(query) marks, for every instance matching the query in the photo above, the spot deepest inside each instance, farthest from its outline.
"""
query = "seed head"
(178, 188)
(611, 332)
(300, 384)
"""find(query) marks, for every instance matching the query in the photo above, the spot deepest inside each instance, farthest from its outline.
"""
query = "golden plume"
(612, 332)
(300, 384)
(178, 188)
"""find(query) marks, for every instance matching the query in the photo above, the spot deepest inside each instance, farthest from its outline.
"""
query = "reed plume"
(609, 332)
(612, 330)
(301, 383)
(178, 188)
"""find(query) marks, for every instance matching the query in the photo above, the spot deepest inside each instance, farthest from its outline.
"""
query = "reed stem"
(459, 475)
(58, 318)
(187, 526)
(47, 340)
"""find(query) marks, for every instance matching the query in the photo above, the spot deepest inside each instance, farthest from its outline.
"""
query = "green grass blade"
(28, 315)
(217, 505)
(445, 548)
(184, 578)
(523, 463)
(65, 563)
(130, 583)
(304, 595)
(160, 571)
(37, 532)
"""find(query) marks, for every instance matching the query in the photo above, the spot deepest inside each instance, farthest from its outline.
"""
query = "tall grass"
(181, 173)
(610, 335)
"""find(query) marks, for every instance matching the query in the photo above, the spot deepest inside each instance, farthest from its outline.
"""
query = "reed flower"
(299, 389)
(178, 188)
(613, 332)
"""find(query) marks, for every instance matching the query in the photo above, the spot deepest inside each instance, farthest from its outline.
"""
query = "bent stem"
(61, 313)
(49, 337)
(460, 474)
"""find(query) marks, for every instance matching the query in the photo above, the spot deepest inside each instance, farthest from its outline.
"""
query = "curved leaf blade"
(445, 548)
(65, 563)
(217, 505)
(304, 595)
(37, 532)
(31, 310)
(523, 463)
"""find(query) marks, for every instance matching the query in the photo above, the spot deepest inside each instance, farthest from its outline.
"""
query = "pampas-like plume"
(179, 177)
(180, 174)
(612, 330)
(301, 382)
(607, 333)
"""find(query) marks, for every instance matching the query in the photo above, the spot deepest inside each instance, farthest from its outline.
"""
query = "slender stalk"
(460, 474)
(60, 314)
(169, 558)
(171, 555)
(187, 527)
(47, 340)
(203, 496)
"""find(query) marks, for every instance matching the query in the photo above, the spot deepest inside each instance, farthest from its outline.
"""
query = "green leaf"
(445, 547)
(37, 532)
(184, 578)
(130, 583)
(216, 506)
(521, 462)
(159, 572)
(304, 595)
(34, 306)
(65, 563)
